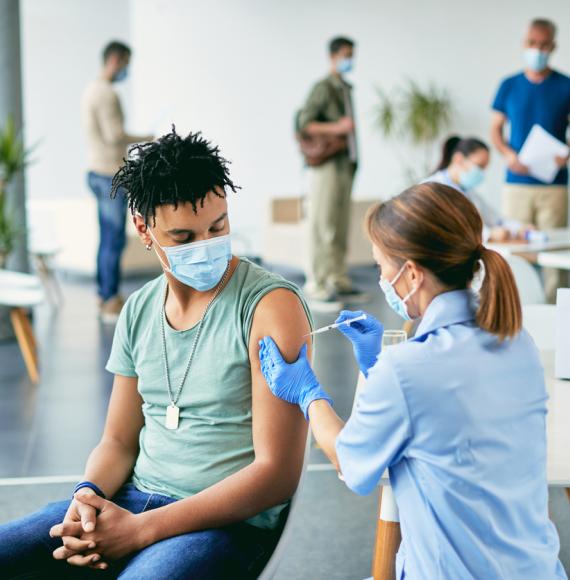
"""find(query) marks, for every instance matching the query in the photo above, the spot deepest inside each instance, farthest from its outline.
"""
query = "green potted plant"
(13, 159)
(416, 116)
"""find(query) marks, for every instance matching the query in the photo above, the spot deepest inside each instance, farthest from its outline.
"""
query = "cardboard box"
(287, 210)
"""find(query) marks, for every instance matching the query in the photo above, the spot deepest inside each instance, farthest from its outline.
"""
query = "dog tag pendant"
(172, 416)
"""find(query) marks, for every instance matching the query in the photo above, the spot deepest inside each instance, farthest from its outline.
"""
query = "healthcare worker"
(457, 413)
(462, 166)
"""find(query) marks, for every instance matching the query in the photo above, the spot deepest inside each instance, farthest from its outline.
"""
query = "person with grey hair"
(539, 95)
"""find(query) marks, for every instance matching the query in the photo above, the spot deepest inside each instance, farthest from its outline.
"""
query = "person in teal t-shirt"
(198, 458)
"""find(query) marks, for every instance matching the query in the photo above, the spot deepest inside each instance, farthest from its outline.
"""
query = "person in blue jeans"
(107, 141)
(194, 472)
(112, 215)
(26, 548)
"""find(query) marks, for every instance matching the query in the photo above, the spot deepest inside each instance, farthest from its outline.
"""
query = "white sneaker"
(110, 310)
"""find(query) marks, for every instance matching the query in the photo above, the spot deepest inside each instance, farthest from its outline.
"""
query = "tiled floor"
(50, 429)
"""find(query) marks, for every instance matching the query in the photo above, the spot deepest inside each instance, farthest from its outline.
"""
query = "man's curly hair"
(172, 170)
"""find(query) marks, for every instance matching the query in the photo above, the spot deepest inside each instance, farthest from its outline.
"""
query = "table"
(559, 259)
(557, 471)
(558, 239)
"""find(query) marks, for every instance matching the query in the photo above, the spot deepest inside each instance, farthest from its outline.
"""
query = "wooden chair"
(19, 292)
(388, 535)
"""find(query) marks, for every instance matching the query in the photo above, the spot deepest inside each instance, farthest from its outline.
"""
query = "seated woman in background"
(197, 462)
(462, 166)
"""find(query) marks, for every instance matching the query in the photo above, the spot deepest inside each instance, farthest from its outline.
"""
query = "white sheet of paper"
(538, 153)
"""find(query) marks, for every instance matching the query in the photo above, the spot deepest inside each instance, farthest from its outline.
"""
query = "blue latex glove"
(296, 382)
(365, 335)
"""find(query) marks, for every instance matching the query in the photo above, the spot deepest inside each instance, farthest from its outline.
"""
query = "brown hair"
(439, 229)
(544, 23)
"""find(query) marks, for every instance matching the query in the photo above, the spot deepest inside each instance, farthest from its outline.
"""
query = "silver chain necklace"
(173, 411)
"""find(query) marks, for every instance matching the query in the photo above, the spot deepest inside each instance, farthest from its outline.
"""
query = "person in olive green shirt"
(198, 458)
(329, 111)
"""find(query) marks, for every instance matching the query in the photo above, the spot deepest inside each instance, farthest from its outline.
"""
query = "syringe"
(336, 325)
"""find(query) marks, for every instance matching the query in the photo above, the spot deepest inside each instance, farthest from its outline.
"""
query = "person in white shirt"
(462, 166)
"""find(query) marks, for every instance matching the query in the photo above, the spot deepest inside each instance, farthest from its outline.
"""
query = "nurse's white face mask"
(397, 304)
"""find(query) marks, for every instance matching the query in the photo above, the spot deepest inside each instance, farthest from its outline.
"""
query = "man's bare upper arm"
(125, 418)
(279, 428)
(498, 120)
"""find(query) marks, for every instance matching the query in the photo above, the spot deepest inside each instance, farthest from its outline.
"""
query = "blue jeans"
(236, 551)
(112, 236)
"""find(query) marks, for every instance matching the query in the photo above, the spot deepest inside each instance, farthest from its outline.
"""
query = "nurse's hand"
(365, 335)
(296, 382)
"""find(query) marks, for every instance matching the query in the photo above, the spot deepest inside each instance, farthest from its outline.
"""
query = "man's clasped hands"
(96, 531)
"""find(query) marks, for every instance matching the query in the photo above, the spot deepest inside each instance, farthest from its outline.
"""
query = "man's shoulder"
(255, 282)
(561, 78)
(325, 85)
(99, 89)
(254, 277)
(512, 79)
(145, 296)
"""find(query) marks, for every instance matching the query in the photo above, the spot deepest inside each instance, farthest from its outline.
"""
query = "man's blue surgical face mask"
(535, 59)
(471, 178)
(199, 265)
(344, 65)
(121, 75)
(397, 304)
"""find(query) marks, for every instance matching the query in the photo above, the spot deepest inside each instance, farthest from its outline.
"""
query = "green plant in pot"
(418, 116)
(13, 159)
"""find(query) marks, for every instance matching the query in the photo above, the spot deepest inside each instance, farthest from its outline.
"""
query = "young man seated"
(198, 459)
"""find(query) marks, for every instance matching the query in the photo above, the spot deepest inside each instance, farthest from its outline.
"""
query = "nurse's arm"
(279, 436)
(326, 426)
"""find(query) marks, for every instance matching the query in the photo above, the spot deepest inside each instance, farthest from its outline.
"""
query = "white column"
(11, 106)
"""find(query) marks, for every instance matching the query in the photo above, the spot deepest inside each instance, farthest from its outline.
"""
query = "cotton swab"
(336, 325)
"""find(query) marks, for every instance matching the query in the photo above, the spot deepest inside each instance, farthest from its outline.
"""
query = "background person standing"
(538, 95)
(107, 143)
(328, 112)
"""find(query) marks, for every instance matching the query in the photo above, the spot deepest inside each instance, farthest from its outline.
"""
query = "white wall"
(62, 41)
(238, 70)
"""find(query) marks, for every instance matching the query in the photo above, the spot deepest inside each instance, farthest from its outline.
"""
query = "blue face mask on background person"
(397, 304)
(536, 60)
(471, 178)
(344, 65)
(199, 265)
(121, 75)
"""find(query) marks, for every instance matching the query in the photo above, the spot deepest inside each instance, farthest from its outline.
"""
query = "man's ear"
(142, 230)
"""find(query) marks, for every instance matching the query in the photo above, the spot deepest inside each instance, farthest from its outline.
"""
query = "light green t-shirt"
(214, 436)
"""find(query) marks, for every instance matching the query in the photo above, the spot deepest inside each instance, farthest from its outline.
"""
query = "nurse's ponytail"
(499, 309)
(440, 229)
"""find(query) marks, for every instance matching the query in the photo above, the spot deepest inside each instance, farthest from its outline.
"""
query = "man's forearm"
(499, 141)
(238, 497)
(109, 466)
(317, 128)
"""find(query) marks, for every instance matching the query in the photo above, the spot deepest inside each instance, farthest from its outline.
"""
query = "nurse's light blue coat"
(460, 420)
